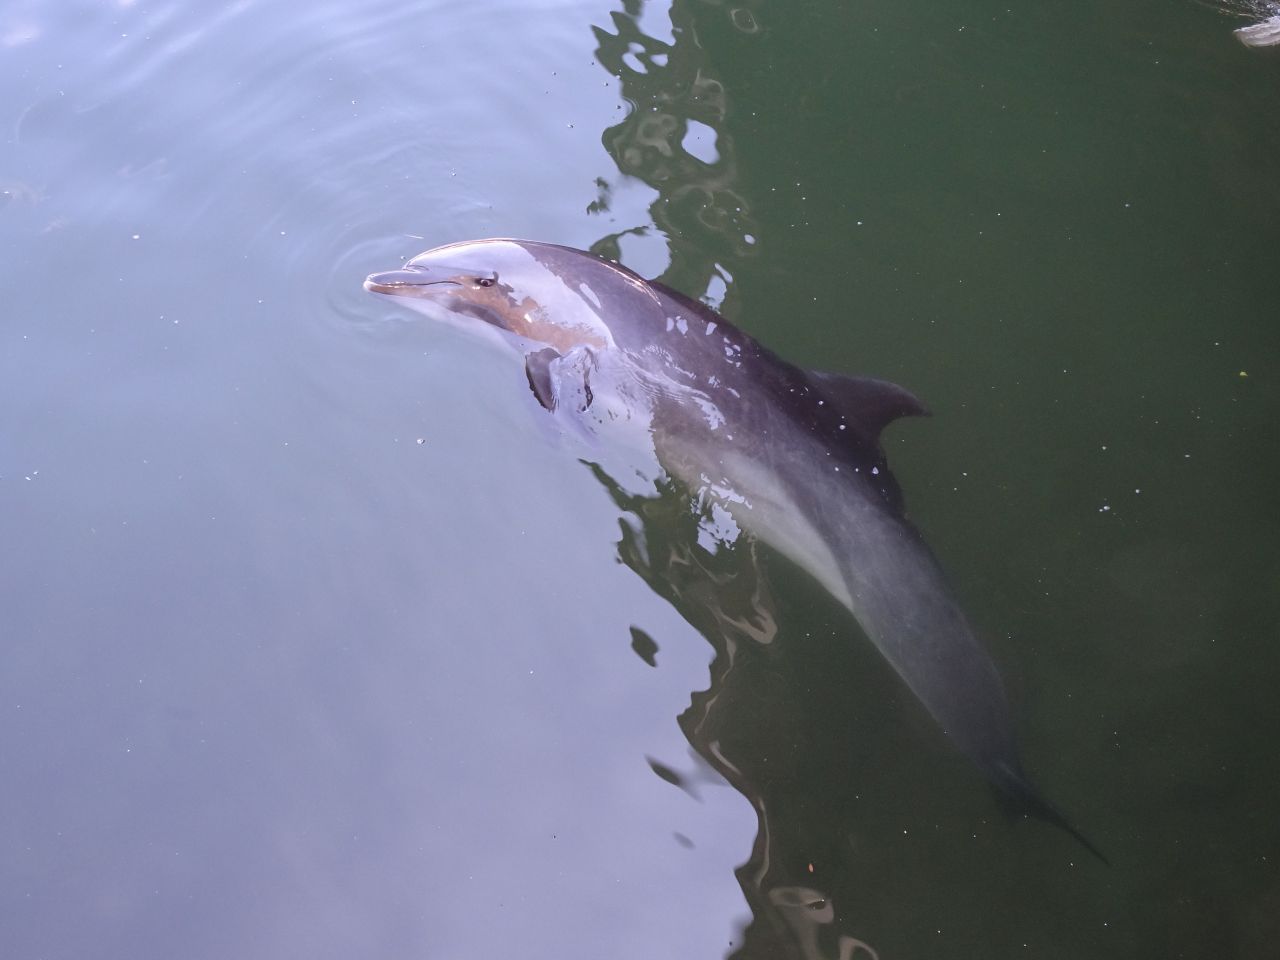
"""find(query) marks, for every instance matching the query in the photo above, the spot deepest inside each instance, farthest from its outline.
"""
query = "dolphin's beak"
(383, 282)
(395, 281)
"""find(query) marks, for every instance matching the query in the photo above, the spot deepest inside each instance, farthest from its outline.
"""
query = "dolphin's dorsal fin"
(537, 367)
(871, 403)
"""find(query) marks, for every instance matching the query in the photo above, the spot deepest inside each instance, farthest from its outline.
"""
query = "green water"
(314, 643)
(1060, 227)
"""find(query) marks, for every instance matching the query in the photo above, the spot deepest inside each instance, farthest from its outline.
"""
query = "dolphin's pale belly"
(837, 528)
(619, 419)
(768, 510)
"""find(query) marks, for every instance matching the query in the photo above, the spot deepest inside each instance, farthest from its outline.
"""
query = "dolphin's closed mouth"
(395, 280)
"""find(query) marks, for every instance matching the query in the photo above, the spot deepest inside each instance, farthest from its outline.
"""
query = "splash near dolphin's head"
(510, 286)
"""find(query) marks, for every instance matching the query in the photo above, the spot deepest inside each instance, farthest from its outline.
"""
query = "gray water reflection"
(313, 643)
(674, 139)
(748, 724)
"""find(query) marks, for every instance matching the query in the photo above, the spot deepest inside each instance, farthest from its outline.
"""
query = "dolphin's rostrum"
(792, 455)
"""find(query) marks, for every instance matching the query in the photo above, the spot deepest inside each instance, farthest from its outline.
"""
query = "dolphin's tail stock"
(1026, 800)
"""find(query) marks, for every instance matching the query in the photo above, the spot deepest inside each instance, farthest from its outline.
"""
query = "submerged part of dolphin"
(794, 456)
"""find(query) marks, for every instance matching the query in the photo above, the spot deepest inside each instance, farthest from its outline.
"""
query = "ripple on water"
(241, 121)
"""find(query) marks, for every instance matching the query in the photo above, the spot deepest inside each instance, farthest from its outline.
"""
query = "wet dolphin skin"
(792, 455)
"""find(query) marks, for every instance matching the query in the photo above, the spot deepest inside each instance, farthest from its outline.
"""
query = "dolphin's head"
(531, 293)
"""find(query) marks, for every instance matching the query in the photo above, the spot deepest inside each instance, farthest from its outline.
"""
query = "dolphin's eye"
(484, 281)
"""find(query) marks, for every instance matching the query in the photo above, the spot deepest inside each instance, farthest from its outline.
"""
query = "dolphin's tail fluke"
(1028, 801)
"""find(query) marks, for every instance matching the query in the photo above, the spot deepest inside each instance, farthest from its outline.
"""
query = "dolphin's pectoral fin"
(537, 367)
(571, 375)
(873, 404)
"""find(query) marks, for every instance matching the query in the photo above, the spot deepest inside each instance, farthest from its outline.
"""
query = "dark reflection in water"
(749, 721)
(747, 724)
(673, 138)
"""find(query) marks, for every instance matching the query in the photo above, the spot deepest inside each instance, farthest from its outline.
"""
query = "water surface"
(315, 642)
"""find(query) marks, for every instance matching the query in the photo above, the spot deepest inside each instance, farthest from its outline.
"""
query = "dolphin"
(792, 455)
